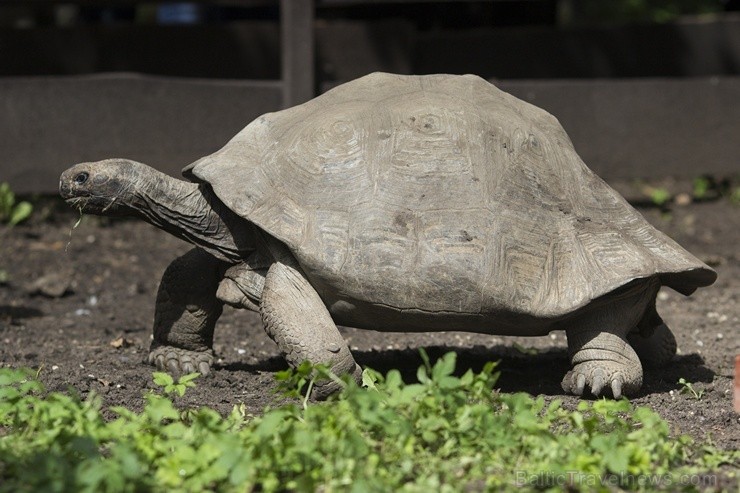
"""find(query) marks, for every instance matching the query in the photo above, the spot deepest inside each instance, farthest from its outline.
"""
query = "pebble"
(92, 300)
(82, 311)
(241, 351)
(683, 199)
(54, 368)
(698, 342)
(663, 296)
(717, 317)
(52, 285)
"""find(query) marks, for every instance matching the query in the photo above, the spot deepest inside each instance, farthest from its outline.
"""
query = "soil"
(78, 304)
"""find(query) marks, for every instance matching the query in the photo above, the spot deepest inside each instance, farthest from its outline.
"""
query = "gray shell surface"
(440, 194)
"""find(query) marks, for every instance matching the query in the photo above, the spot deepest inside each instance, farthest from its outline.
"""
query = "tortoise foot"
(178, 361)
(655, 350)
(601, 378)
(323, 389)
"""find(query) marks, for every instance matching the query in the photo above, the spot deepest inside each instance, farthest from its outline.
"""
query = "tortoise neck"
(192, 212)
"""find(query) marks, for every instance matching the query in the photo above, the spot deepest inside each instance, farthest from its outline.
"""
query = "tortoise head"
(105, 187)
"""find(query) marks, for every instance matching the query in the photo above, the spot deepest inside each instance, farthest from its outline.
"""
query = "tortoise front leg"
(296, 318)
(186, 314)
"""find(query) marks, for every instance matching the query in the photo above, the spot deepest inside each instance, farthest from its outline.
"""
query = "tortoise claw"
(617, 387)
(580, 384)
(178, 361)
(599, 379)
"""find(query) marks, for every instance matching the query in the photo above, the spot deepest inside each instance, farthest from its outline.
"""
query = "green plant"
(701, 186)
(659, 196)
(687, 387)
(166, 381)
(12, 212)
(735, 195)
(447, 432)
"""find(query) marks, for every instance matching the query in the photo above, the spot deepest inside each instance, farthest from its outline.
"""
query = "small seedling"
(659, 196)
(687, 387)
(702, 186)
(12, 212)
(170, 387)
(735, 196)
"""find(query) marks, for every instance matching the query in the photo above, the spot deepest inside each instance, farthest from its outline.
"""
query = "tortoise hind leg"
(602, 358)
(297, 320)
(653, 341)
(186, 313)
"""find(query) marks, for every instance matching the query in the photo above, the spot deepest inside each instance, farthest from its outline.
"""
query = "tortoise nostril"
(81, 178)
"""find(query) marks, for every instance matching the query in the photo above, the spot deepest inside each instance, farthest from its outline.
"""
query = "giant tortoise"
(403, 203)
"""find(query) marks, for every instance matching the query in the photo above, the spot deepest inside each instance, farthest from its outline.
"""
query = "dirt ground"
(79, 305)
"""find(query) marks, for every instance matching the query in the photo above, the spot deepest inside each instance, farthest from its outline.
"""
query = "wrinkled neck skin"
(192, 212)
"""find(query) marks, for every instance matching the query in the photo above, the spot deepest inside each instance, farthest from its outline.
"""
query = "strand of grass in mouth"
(74, 226)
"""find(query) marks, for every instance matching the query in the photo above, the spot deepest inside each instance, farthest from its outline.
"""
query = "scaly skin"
(297, 320)
(186, 313)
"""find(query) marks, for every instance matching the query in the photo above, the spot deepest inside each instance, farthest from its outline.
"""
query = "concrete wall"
(646, 128)
(49, 123)
(630, 128)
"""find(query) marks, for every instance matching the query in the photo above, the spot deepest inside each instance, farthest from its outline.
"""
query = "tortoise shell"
(440, 194)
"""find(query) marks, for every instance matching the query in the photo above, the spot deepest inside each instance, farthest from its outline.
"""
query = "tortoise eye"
(81, 178)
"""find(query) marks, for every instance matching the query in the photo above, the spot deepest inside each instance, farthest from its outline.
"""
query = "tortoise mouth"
(78, 202)
(85, 202)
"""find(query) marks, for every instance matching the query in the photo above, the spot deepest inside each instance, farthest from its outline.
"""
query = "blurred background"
(645, 88)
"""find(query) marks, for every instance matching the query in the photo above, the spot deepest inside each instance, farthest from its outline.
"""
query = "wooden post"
(737, 384)
(297, 48)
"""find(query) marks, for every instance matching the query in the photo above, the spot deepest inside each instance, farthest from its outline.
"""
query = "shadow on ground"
(535, 373)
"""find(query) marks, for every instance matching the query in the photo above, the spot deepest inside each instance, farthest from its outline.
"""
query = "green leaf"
(660, 196)
(159, 408)
(444, 366)
(7, 200)
(422, 375)
(20, 213)
(369, 378)
(188, 379)
(162, 379)
(701, 187)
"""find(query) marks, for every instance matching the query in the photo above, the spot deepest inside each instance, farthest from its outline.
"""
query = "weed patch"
(444, 433)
